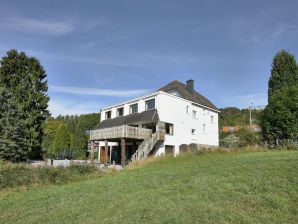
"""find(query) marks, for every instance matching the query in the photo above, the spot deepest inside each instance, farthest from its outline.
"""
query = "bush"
(248, 137)
(13, 175)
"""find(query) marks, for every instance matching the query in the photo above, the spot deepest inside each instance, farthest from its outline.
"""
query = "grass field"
(251, 187)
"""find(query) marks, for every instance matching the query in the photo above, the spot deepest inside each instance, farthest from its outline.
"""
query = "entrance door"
(169, 150)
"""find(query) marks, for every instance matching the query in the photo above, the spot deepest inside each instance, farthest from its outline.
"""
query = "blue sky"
(98, 53)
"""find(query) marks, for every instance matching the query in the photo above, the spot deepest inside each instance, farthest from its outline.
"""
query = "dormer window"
(108, 114)
(120, 112)
(133, 108)
(150, 104)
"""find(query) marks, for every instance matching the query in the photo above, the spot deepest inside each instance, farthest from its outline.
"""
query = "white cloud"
(41, 26)
(98, 92)
(67, 107)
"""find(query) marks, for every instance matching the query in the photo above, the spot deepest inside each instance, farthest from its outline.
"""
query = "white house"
(155, 124)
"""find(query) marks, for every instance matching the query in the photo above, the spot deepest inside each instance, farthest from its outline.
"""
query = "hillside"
(254, 187)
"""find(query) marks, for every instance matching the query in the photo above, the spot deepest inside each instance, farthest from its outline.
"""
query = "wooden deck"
(119, 132)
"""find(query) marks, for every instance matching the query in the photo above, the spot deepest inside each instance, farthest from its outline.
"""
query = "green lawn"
(254, 187)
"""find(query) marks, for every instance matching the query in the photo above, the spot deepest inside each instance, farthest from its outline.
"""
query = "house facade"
(156, 124)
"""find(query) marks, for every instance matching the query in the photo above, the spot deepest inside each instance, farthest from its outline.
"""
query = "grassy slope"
(259, 187)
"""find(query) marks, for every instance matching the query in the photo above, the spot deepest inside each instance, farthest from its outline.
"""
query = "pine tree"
(61, 139)
(279, 120)
(24, 78)
(13, 144)
(284, 72)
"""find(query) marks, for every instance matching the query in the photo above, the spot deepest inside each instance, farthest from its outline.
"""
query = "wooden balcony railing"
(124, 131)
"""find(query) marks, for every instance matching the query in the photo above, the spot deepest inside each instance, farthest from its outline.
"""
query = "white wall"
(172, 109)
(141, 106)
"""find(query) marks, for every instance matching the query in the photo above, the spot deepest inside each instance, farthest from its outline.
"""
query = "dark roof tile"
(196, 97)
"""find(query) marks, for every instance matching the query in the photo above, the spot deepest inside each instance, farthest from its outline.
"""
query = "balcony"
(119, 132)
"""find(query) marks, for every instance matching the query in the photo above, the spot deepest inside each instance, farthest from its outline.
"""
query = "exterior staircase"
(148, 145)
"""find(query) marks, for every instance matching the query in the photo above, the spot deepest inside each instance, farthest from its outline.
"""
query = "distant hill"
(231, 116)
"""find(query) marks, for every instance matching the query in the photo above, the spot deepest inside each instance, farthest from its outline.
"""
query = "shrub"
(13, 175)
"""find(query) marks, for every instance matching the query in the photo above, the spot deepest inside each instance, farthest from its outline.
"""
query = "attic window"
(133, 108)
(108, 115)
(150, 104)
(175, 92)
(120, 112)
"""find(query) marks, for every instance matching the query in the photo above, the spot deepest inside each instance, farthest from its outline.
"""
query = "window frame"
(146, 104)
(110, 115)
(130, 108)
(194, 113)
(171, 128)
(118, 110)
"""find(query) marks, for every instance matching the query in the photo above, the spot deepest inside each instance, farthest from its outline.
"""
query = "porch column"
(111, 148)
(134, 147)
(92, 152)
(123, 157)
(106, 152)
(99, 151)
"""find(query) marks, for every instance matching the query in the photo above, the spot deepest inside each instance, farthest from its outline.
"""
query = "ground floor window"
(169, 149)
(169, 128)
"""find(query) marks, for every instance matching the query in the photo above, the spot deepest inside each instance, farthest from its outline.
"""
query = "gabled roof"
(196, 97)
(148, 116)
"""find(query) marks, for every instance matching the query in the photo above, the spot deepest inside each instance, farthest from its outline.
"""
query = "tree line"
(69, 132)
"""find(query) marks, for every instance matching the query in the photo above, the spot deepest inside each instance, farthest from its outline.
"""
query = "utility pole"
(250, 120)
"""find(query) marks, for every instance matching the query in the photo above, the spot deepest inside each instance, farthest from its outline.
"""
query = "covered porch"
(127, 139)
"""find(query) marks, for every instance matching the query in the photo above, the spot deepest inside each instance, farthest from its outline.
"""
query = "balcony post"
(106, 152)
(92, 152)
(123, 157)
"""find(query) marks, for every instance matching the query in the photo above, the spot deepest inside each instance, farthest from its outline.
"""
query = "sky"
(97, 53)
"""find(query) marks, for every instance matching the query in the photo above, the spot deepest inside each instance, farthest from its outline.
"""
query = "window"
(120, 111)
(108, 115)
(204, 128)
(169, 128)
(194, 113)
(133, 108)
(150, 104)
(187, 109)
(212, 119)
(193, 131)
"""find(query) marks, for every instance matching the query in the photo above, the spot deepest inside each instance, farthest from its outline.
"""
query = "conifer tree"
(24, 77)
(61, 139)
(13, 142)
(279, 120)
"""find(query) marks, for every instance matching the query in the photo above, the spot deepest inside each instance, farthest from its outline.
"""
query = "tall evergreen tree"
(279, 119)
(284, 72)
(24, 77)
(13, 143)
(61, 139)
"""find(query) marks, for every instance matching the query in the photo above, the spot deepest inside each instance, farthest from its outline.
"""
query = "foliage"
(284, 72)
(77, 128)
(231, 116)
(13, 142)
(280, 117)
(247, 187)
(279, 120)
(15, 175)
(248, 137)
(61, 140)
(49, 135)
(24, 78)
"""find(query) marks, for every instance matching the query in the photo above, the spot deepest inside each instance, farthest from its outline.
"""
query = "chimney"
(190, 85)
